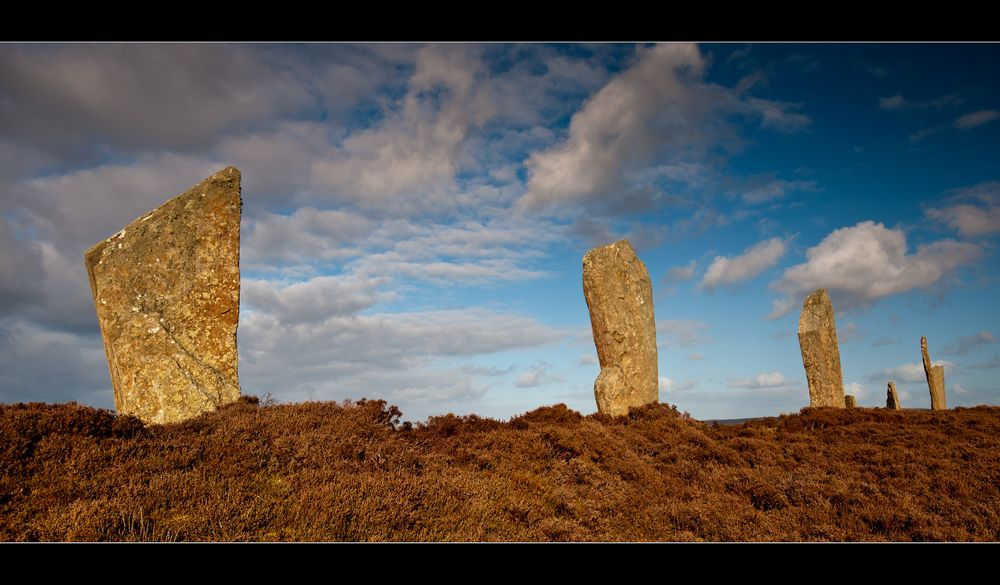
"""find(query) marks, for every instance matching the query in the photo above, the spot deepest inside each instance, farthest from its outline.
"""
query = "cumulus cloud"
(854, 389)
(850, 333)
(882, 341)
(766, 380)
(588, 359)
(977, 118)
(868, 261)
(314, 300)
(305, 234)
(974, 211)
(649, 122)
(967, 344)
(907, 372)
(753, 261)
(537, 375)
(681, 273)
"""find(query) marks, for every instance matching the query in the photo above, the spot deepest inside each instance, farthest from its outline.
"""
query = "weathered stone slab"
(167, 292)
(935, 378)
(892, 397)
(850, 401)
(820, 351)
(619, 297)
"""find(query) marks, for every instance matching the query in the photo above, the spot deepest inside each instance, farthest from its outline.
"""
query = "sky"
(415, 216)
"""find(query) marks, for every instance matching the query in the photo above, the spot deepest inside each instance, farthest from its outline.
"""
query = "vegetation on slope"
(328, 471)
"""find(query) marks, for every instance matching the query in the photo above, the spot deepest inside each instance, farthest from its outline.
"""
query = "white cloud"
(766, 380)
(669, 386)
(854, 389)
(308, 234)
(695, 357)
(975, 212)
(977, 118)
(409, 160)
(537, 375)
(868, 261)
(652, 109)
(907, 372)
(881, 341)
(588, 359)
(895, 102)
(753, 261)
(314, 300)
(967, 344)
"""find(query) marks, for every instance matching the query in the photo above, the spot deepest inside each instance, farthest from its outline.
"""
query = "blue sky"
(415, 215)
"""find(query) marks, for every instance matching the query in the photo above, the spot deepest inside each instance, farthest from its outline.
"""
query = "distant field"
(325, 471)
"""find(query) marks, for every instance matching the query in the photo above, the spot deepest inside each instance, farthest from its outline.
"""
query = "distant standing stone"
(167, 292)
(935, 378)
(619, 296)
(850, 401)
(820, 351)
(892, 397)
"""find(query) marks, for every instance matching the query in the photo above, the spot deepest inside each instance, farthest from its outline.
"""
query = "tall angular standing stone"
(820, 351)
(167, 292)
(935, 378)
(892, 397)
(620, 300)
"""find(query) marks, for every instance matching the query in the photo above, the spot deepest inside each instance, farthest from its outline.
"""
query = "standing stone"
(935, 378)
(850, 401)
(620, 299)
(167, 292)
(892, 397)
(820, 352)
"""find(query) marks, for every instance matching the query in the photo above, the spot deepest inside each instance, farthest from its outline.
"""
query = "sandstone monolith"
(892, 397)
(820, 352)
(935, 378)
(167, 292)
(619, 297)
(850, 401)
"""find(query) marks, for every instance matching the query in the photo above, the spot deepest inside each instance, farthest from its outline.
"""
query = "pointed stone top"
(816, 308)
(620, 247)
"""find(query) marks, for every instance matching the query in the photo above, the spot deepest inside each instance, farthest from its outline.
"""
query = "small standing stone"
(850, 401)
(935, 378)
(167, 292)
(619, 297)
(820, 351)
(892, 397)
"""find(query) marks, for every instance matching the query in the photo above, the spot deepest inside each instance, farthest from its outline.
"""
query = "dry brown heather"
(323, 471)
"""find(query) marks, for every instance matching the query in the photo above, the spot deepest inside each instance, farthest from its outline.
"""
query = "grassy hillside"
(325, 471)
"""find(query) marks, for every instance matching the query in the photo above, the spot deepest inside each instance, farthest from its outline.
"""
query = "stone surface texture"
(892, 397)
(850, 401)
(167, 293)
(619, 297)
(935, 378)
(820, 351)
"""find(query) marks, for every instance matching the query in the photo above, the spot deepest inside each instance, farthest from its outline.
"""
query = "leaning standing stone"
(620, 299)
(167, 292)
(892, 397)
(820, 352)
(935, 378)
